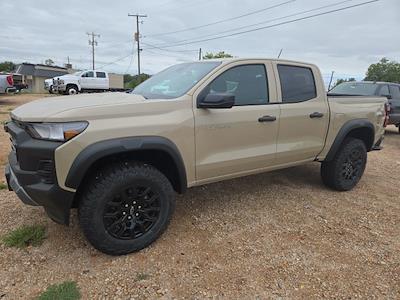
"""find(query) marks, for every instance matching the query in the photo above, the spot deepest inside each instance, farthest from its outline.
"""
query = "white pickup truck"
(87, 81)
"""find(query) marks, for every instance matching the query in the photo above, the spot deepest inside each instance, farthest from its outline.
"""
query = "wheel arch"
(159, 152)
(362, 129)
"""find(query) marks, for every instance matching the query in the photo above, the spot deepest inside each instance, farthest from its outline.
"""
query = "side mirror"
(387, 96)
(219, 100)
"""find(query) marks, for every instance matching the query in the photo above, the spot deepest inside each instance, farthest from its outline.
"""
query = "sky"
(346, 41)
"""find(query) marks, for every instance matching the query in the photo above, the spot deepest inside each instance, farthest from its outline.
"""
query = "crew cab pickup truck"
(119, 158)
(368, 88)
(87, 81)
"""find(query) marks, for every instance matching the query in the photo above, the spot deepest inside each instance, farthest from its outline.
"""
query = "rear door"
(394, 104)
(241, 139)
(304, 116)
(101, 80)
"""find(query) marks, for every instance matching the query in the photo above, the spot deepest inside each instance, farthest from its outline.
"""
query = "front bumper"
(31, 174)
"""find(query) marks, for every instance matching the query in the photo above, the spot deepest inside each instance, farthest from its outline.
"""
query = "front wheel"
(126, 208)
(346, 169)
(72, 90)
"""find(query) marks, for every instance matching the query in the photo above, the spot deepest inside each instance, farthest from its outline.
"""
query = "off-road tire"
(100, 194)
(346, 169)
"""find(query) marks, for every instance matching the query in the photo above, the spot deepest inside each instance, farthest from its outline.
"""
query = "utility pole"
(92, 42)
(200, 54)
(137, 36)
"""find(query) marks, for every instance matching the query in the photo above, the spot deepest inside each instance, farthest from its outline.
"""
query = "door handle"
(316, 115)
(267, 119)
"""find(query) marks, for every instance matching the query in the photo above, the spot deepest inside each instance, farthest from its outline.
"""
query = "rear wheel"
(126, 208)
(346, 169)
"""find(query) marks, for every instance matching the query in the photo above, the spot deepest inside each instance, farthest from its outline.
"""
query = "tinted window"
(384, 91)
(297, 83)
(247, 83)
(355, 88)
(88, 74)
(100, 75)
(395, 91)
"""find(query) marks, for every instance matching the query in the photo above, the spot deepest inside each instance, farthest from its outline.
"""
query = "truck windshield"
(174, 81)
(355, 88)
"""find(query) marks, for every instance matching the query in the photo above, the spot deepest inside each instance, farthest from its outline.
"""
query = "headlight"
(56, 131)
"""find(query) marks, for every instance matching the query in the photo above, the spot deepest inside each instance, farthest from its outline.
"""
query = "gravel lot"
(276, 235)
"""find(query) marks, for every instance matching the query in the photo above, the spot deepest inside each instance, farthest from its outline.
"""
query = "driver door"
(234, 141)
(88, 81)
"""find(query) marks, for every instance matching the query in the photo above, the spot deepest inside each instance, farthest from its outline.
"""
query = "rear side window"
(248, 83)
(384, 91)
(395, 91)
(100, 75)
(297, 83)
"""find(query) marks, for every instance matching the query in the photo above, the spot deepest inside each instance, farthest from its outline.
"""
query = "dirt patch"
(274, 235)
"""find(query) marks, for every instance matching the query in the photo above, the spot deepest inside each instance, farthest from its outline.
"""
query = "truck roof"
(229, 60)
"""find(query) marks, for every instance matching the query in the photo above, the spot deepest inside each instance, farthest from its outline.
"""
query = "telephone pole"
(137, 36)
(92, 42)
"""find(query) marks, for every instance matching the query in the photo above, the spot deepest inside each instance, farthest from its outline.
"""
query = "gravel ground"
(275, 235)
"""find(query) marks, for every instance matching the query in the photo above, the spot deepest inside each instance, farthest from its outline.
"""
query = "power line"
(224, 20)
(266, 27)
(115, 61)
(169, 50)
(263, 22)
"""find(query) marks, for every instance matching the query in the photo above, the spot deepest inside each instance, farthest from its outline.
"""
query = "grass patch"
(3, 186)
(142, 276)
(67, 290)
(25, 236)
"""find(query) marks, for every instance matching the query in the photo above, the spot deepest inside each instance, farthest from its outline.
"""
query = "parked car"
(88, 81)
(367, 88)
(19, 83)
(119, 158)
(7, 84)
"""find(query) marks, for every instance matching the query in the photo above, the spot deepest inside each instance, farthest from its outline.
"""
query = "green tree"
(384, 70)
(136, 80)
(341, 80)
(49, 62)
(221, 54)
(7, 66)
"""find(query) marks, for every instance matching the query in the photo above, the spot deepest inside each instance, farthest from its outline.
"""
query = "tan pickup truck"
(119, 158)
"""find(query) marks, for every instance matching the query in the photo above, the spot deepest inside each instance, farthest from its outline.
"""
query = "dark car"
(367, 88)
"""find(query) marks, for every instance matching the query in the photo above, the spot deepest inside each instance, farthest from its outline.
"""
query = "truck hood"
(67, 77)
(73, 107)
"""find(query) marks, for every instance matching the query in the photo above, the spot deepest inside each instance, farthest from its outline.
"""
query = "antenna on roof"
(330, 81)
(280, 52)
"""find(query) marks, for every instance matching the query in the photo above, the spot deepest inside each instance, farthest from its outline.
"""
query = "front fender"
(88, 156)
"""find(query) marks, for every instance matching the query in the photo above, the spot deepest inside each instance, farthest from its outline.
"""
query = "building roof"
(41, 70)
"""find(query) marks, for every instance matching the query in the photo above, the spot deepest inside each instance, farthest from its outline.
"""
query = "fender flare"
(345, 130)
(92, 153)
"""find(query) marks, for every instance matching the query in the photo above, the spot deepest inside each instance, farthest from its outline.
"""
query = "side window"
(100, 75)
(384, 91)
(248, 83)
(395, 91)
(297, 83)
(88, 74)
